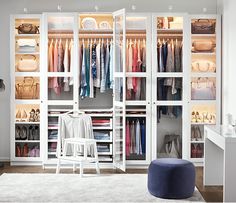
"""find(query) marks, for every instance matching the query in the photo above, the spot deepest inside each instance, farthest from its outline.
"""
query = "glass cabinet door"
(169, 78)
(119, 90)
(60, 30)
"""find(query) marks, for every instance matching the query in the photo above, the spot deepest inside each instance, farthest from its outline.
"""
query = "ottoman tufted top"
(171, 161)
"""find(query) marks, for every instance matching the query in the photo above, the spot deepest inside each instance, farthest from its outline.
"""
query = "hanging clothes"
(97, 80)
(128, 139)
(111, 66)
(91, 90)
(66, 67)
(50, 63)
(56, 86)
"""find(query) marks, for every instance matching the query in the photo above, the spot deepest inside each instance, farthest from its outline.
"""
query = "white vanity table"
(220, 160)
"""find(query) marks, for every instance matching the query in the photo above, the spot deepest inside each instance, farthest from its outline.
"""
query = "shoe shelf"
(25, 122)
(27, 141)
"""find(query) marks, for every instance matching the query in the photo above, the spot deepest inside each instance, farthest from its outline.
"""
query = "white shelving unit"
(22, 146)
(114, 104)
(203, 107)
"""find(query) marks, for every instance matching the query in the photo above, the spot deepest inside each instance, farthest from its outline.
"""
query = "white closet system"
(135, 120)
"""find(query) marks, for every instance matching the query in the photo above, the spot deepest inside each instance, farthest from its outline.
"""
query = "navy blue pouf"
(171, 178)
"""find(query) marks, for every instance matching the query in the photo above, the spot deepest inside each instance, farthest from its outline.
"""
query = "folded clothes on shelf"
(53, 135)
(102, 122)
(103, 148)
(101, 136)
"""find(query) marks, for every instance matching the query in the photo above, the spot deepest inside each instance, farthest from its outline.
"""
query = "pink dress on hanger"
(128, 139)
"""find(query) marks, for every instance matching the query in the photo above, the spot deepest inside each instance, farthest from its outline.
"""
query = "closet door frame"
(45, 74)
(13, 159)
(185, 95)
(119, 104)
(147, 102)
(218, 76)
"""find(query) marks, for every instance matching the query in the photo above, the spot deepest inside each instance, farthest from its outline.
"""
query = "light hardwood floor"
(210, 194)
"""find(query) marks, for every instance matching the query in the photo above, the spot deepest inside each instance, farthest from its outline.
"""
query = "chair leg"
(97, 167)
(81, 169)
(58, 166)
(74, 167)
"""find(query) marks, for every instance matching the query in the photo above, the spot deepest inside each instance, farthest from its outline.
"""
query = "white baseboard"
(5, 159)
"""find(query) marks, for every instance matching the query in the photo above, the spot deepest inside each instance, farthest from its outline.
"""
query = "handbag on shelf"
(28, 28)
(28, 89)
(203, 90)
(104, 25)
(203, 26)
(28, 64)
(203, 66)
(89, 23)
(203, 46)
(27, 45)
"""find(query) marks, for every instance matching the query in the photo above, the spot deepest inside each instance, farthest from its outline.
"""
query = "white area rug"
(72, 188)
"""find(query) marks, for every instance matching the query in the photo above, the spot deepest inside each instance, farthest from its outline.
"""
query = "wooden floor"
(210, 194)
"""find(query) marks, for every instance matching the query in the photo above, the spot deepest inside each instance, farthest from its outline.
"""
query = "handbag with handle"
(203, 90)
(203, 46)
(203, 26)
(28, 28)
(28, 89)
(203, 66)
(27, 64)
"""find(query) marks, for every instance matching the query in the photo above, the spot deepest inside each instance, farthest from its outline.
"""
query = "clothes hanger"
(74, 111)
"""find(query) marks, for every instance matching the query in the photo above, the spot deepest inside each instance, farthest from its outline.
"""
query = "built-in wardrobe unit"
(145, 84)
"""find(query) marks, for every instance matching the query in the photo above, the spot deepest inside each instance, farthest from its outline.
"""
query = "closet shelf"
(204, 53)
(26, 159)
(135, 116)
(136, 103)
(170, 31)
(52, 140)
(92, 31)
(209, 75)
(27, 141)
(30, 123)
(197, 160)
(52, 128)
(169, 103)
(136, 74)
(102, 128)
(30, 74)
(197, 142)
(24, 101)
(27, 35)
(203, 102)
(169, 74)
(60, 102)
(60, 74)
(104, 141)
(27, 53)
(203, 124)
(203, 35)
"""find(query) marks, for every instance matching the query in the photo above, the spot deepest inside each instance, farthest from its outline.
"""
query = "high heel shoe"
(17, 133)
(198, 133)
(32, 115)
(23, 133)
(193, 117)
(198, 117)
(192, 133)
(24, 116)
(37, 116)
(18, 115)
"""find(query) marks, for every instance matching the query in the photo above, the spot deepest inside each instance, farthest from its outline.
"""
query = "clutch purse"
(28, 64)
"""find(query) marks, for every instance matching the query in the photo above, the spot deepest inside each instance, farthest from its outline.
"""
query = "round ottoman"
(171, 178)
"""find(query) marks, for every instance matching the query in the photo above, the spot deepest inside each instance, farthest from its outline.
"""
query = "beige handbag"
(203, 46)
(28, 89)
(28, 64)
(203, 66)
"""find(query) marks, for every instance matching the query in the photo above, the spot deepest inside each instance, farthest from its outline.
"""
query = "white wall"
(8, 7)
(228, 8)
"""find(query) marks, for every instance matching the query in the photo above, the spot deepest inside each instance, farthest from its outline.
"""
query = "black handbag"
(27, 28)
(203, 26)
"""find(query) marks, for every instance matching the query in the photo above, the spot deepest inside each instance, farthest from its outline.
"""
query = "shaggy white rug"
(72, 188)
